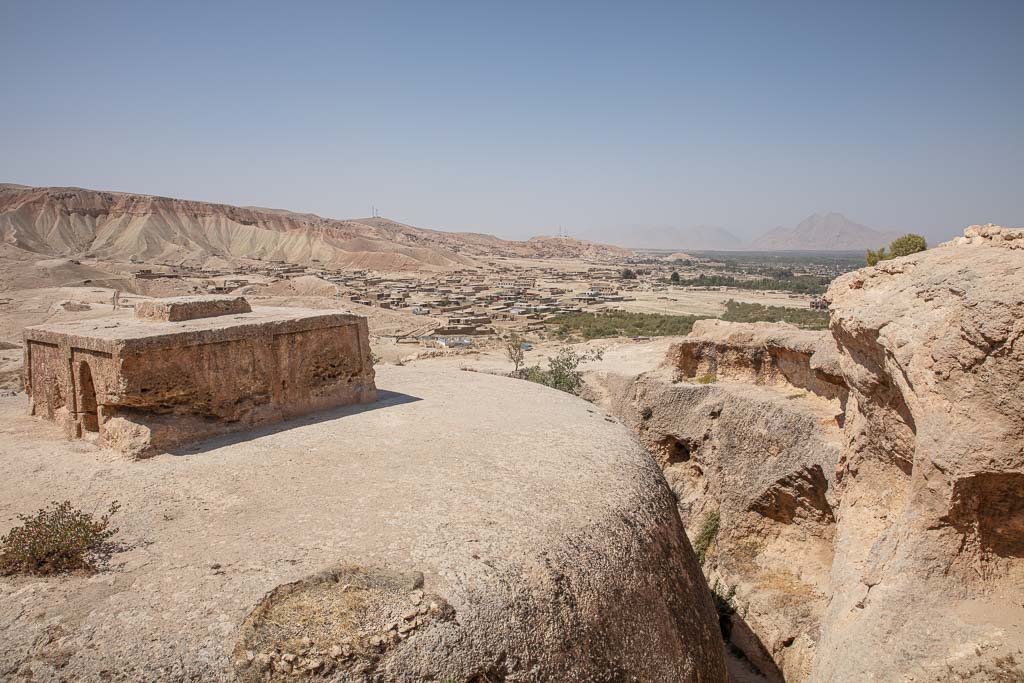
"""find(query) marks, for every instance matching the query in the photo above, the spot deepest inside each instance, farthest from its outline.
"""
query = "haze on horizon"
(617, 123)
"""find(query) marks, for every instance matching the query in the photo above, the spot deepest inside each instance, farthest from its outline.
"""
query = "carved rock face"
(190, 368)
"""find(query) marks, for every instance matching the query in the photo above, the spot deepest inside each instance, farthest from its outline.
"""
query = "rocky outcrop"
(862, 490)
(929, 562)
(761, 353)
(417, 539)
(753, 470)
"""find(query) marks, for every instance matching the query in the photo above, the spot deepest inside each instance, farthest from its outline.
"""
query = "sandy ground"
(24, 307)
(22, 270)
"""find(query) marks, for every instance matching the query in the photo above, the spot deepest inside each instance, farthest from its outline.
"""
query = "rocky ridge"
(866, 485)
(414, 539)
(118, 226)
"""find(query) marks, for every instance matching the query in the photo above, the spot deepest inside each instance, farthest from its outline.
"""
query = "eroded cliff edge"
(860, 491)
(750, 453)
(930, 548)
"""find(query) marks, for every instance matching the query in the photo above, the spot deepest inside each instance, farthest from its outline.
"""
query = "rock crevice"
(868, 481)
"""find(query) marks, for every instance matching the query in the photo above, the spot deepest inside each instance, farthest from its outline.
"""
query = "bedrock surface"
(464, 526)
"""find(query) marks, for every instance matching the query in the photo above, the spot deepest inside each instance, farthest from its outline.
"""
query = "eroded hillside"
(121, 226)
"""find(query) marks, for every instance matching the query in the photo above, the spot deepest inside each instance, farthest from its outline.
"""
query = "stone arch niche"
(85, 396)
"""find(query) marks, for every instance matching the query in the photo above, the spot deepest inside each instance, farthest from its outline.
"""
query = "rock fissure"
(869, 479)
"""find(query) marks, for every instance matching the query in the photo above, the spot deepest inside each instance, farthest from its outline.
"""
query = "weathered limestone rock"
(765, 458)
(145, 385)
(761, 461)
(894, 528)
(420, 538)
(929, 564)
(761, 353)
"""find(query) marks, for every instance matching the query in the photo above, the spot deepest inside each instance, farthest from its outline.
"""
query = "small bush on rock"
(901, 246)
(57, 540)
(906, 245)
(706, 536)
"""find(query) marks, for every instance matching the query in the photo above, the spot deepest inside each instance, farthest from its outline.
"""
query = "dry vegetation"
(622, 323)
(706, 536)
(59, 539)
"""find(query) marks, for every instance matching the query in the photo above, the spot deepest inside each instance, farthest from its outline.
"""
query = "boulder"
(465, 527)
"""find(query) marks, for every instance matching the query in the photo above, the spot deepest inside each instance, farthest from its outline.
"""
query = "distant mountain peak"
(826, 231)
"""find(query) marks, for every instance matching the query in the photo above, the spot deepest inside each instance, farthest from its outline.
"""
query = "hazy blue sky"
(516, 117)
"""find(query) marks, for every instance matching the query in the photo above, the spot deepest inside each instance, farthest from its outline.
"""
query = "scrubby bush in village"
(563, 371)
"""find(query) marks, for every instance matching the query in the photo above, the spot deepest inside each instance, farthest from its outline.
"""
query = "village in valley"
(452, 314)
(470, 310)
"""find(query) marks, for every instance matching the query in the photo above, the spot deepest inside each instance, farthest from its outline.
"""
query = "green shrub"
(785, 282)
(57, 540)
(807, 318)
(901, 246)
(622, 323)
(706, 536)
(706, 379)
(906, 245)
(563, 371)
